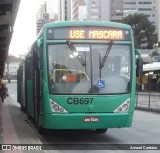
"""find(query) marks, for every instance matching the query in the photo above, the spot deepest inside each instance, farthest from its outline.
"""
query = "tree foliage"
(154, 54)
(144, 30)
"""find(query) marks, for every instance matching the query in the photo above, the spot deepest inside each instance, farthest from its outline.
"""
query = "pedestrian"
(5, 91)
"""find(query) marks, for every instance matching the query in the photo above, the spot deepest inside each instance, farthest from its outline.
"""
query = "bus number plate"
(91, 119)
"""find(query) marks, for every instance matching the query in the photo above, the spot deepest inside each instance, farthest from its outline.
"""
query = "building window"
(145, 2)
(94, 2)
(130, 9)
(144, 9)
(130, 3)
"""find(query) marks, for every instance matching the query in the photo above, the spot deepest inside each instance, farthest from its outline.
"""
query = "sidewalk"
(14, 128)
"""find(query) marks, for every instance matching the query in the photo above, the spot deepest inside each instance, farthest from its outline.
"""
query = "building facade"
(98, 10)
(50, 9)
(45, 13)
(116, 10)
(78, 10)
(42, 16)
(64, 9)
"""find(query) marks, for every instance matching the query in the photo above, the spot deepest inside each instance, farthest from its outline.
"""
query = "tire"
(101, 130)
(22, 108)
(29, 117)
(41, 130)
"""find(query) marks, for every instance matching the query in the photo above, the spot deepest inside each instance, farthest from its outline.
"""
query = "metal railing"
(149, 99)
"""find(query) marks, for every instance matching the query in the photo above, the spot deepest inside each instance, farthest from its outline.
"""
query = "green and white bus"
(80, 75)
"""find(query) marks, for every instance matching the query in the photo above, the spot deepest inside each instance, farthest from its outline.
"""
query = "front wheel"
(101, 130)
(41, 130)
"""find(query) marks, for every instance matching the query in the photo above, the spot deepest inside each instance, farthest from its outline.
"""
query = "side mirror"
(139, 64)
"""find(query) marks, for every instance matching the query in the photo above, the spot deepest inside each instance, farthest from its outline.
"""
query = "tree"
(154, 54)
(144, 30)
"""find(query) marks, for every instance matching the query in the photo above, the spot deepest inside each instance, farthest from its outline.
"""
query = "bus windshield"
(67, 75)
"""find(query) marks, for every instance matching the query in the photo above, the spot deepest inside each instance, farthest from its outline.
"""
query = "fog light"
(61, 110)
(119, 109)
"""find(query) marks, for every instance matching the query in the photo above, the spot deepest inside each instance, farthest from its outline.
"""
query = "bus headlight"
(123, 107)
(56, 108)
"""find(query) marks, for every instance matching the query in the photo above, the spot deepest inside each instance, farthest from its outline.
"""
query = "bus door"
(37, 82)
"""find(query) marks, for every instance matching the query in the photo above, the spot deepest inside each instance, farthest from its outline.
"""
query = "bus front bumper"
(86, 121)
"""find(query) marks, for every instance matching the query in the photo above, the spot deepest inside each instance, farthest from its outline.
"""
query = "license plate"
(91, 119)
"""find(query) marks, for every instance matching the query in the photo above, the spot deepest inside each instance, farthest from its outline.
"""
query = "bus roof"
(87, 23)
(84, 23)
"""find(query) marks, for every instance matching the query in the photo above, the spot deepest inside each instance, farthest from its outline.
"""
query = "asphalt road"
(145, 131)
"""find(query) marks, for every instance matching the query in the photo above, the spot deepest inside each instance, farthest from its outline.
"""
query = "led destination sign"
(97, 33)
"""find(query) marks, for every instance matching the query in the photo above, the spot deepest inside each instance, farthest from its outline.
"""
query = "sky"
(25, 27)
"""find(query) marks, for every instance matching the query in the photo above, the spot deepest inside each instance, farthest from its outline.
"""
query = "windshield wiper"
(73, 49)
(101, 65)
